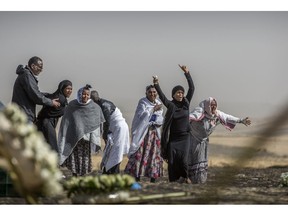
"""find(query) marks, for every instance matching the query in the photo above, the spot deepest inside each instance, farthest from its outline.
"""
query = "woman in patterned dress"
(79, 133)
(145, 149)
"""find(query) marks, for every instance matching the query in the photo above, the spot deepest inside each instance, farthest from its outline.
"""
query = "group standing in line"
(180, 138)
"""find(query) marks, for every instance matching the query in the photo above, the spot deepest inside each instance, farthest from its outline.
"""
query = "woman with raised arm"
(175, 138)
(203, 121)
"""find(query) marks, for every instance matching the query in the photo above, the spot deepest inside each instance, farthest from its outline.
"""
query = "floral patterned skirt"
(79, 161)
(146, 161)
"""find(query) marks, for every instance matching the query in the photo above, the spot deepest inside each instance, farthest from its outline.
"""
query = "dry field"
(243, 169)
(224, 150)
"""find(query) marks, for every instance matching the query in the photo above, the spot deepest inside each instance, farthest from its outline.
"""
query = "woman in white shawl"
(115, 134)
(203, 121)
(144, 153)
(79, 133)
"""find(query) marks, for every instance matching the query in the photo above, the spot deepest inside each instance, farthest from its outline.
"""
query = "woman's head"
(65, 87)
(83, 95)
(210, 106)
(95, 96)
(151, 93)
(178, 93)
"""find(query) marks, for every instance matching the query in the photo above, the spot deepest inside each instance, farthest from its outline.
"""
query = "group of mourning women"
(179, 138)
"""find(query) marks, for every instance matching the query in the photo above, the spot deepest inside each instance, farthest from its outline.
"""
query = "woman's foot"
(137, 179)
(152, 180)
(182, 180)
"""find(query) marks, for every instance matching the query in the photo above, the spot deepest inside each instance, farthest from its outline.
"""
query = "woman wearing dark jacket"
(48, 117)
(175, 139)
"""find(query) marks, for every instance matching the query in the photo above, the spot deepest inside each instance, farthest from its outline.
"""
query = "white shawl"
(140, 123)
(118, 141)
(203, 110)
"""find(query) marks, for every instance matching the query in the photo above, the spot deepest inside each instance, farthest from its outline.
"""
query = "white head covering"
(80, 92)
(204, 110)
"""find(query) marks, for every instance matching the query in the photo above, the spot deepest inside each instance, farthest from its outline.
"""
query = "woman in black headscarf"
(48, 117)
(175, 138)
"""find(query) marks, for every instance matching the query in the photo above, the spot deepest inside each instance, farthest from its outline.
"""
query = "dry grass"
(223, 150)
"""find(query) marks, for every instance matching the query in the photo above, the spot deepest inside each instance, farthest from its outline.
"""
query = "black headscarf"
(62, 85)
(177, 88)
(51, 112)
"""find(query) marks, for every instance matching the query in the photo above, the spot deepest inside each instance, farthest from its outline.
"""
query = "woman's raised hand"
(184, 68)
(155, 79)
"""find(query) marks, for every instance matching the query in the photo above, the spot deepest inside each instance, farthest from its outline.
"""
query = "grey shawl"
(77, 121)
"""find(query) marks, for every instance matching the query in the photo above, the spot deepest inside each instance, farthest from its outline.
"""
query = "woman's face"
(67, 91)
(151, 94)
(213, 106)
(85, 95)
(179, 95)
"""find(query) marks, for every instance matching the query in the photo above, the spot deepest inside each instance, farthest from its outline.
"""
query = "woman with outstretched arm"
(203, 121)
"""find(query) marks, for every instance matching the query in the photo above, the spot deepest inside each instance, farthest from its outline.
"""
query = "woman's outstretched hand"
(184, 68)
(246, 121)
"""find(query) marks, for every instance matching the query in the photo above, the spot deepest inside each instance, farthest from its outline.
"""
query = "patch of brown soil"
(257, 182)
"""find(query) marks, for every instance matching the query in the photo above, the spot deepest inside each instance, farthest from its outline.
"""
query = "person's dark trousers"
(47, 127)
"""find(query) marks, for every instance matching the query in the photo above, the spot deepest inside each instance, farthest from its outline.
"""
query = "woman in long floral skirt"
(145, 150)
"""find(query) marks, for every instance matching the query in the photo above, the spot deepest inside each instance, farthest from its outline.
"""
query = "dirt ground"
(243, 169)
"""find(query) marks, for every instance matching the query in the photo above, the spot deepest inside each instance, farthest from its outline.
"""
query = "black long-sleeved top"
(107, 108)
(172, 106)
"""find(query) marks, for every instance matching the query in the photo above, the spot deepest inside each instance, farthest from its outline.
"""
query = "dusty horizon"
(238, 57)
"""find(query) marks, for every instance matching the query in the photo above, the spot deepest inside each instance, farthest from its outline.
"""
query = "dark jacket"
(171, 107)
(26, 92)
(107, 108)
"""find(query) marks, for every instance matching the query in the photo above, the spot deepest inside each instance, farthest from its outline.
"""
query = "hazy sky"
(240, 58)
